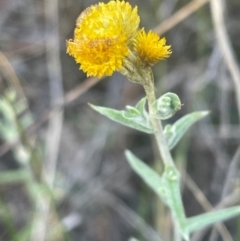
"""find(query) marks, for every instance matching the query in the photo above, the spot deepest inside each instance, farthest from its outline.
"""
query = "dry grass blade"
(8, 72)
(43, 211)
(200, 197)
(80, 89)
(232, 172)
(179, 16)
(132, 218)
(225, 46)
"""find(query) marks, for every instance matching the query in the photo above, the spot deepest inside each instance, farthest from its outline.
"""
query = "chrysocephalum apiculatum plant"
(107, 38)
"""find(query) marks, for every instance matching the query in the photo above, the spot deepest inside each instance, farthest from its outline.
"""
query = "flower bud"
(166, 106)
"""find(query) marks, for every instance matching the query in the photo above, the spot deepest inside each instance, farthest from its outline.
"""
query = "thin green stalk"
(177, 235)
(157, 125)
(176, 206)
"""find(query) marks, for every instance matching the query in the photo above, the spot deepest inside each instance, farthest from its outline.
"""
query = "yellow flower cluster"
(106, 34)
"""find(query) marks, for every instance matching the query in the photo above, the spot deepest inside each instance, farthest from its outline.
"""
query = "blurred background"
(63, 174)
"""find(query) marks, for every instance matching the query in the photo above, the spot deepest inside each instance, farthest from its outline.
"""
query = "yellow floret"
(150, 48)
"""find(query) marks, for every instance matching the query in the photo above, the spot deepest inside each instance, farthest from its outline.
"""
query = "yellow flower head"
(150, 48)
(103, 35)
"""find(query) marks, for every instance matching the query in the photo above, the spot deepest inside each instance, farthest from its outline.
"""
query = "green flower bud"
(166, 106)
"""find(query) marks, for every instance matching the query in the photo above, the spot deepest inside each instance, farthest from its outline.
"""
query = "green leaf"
(7, 177)
(133, 112)
(166, 187)
(8, 126)
(206, 219)
(25, 233)
(171, 182)
(133, 239)
(141, 106)
(134, 117)
(173, 133)
(149, 176)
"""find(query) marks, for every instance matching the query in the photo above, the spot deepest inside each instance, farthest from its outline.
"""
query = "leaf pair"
(138, 118)
(167, 188)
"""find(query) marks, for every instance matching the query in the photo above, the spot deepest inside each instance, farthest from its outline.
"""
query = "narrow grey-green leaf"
(206, 219)
(149, 176)
(141, 105)
(166, 187)
(7, 177)
(171, 181)
(140, 122)
(132, 110)
(173, 133)
(8, 127)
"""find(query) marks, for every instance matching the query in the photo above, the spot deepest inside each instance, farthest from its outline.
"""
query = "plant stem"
(177, 235)
(157, 125)
(173, 185)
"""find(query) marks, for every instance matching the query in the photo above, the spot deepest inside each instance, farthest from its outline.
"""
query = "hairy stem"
(157, 125)
(171, 176)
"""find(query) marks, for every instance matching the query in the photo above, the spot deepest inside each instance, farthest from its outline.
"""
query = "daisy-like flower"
(150, 48)
(103, 37)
